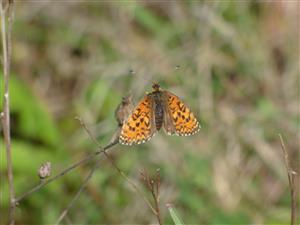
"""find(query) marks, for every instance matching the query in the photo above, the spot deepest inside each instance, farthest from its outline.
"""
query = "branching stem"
(82, 187)
(116, 167)
(65, 171)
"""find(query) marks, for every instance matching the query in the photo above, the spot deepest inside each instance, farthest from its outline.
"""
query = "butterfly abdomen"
(158, 110)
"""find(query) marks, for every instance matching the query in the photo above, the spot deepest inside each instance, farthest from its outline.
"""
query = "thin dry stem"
(65, 171)
(291, 177)
(82, 187)
(157, 184)
(134, 186)
(153, 186)
(6, 47)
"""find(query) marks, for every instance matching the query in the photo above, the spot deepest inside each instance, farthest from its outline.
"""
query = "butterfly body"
(158, 109)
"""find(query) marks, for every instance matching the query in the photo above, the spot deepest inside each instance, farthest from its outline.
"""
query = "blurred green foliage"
(31, 116)
(233, 62)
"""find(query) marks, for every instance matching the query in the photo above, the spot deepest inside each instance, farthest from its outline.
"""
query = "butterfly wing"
(178, 118)
(139, 126)
(168, 124)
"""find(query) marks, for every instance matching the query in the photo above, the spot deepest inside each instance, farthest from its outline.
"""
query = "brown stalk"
(82, 187)
(153, 186)
(291, 177)
(65, 171)
(6, 10)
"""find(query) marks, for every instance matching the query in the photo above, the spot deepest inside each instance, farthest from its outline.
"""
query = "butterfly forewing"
(139, 127)
(178, 117)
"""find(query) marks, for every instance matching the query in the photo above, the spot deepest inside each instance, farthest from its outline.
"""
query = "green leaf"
(30, 118)
(174, 214)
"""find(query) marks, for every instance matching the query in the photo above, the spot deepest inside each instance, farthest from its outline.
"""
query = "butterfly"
(157, 109)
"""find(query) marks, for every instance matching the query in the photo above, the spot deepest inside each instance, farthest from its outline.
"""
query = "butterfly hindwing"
(139, 127)
(180, 120)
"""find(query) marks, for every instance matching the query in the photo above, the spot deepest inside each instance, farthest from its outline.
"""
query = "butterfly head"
(156, 87)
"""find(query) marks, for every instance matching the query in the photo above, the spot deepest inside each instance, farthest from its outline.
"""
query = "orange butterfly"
(158, 108)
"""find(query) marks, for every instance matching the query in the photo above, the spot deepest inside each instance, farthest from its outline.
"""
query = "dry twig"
(116, 167)
(65, 171)
(82, 187)
(153, 186)
(291, 177)
(6, 10)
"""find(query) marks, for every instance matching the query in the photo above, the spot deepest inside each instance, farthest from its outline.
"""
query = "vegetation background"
(235, 63)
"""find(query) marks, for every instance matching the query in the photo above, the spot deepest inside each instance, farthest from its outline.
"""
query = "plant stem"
(291, 177)
(82, 187)
(65, 171)
(115, 166)
(6, 47)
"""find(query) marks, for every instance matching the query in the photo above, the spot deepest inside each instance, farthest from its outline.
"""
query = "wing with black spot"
(139, 127)
(178, 119)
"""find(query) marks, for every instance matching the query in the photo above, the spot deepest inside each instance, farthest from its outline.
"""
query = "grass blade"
(174, 214)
